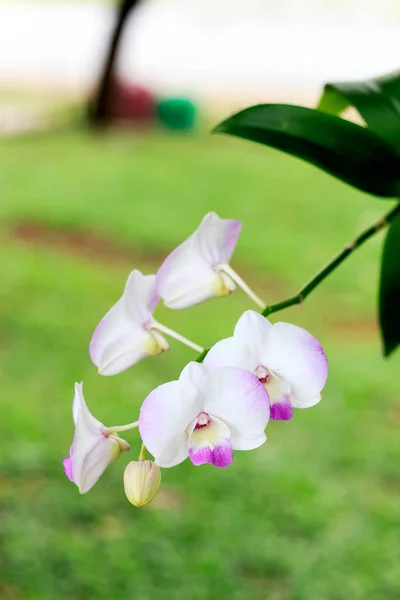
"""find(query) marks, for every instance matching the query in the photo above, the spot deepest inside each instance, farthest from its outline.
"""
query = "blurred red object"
(131, 103)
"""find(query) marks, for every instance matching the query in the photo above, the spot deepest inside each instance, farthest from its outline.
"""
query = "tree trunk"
(98, 113)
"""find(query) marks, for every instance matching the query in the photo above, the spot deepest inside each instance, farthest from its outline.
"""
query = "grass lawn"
(312, 515)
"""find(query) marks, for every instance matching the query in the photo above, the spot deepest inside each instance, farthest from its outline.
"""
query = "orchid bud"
(141, 481)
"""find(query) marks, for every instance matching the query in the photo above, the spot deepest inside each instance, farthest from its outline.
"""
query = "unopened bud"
(141, 480)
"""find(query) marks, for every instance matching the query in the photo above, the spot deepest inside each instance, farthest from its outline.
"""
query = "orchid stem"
(118, 428)
(233, 275)
(178, 336)
(324, 272)
(333, 264)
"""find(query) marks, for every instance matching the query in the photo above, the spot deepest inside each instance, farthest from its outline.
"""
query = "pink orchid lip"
(282, 410)
(221, 456)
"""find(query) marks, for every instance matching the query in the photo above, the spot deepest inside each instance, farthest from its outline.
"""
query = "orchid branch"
(333, 264)
(327, 270)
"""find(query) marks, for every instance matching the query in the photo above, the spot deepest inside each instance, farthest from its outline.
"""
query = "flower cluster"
(262, 372)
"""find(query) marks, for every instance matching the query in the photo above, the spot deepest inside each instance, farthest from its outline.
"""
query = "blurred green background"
(312, 515)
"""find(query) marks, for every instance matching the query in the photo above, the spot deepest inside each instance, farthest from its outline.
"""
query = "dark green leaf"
(378, 108)
(350, 152)
(390, 84)
(389, 293)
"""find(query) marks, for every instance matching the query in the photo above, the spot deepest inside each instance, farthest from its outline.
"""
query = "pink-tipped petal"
(282, 410)
(237, 398)
(68, 467)
(220, 456)
(296, 356)
(201, 456)
(164, 418)
(232, 352)
(210, 443)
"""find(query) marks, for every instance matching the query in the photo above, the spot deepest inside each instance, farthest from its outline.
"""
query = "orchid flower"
(94, 445)
(287, 360)
(198, 269)
(205, 415)
(129, 332)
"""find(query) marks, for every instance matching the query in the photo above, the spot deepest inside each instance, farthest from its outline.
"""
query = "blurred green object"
(178, 114)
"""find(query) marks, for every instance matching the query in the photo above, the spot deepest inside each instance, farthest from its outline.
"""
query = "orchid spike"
(287, 360)
(129, 332)
(195, 270)
(205, 415)
(93, 448)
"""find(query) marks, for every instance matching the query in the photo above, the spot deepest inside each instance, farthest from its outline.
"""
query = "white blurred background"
(243, 49)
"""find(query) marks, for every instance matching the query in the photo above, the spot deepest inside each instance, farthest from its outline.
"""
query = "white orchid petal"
(237, 398)
(304, 403)
(295, 355)
(97, 460)
(140, 297)
(186, 279)
(241, 443)
(189, 275)
(194, 373)
(78, 401)
(93, 448)
(254, 329)
(120, 340)
(216, 238)
(232, 352)
(164, 418)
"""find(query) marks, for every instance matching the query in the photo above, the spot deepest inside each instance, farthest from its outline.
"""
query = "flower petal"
(164, 418)
(232, 352)
(119, 342)
(237, 398)
(295, 355)
(78, 401)
(92, 447)
(194, 373)
(282, 409)
(220, 456)
(254, 329)
(211, 444)
(104, 452)
(216, 238)
(140, 297)
(185, 279)
(189, 275)
(68, 466)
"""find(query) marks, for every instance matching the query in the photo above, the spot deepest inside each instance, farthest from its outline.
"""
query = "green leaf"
(379, 109)
(389, 293)
(350, 152)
